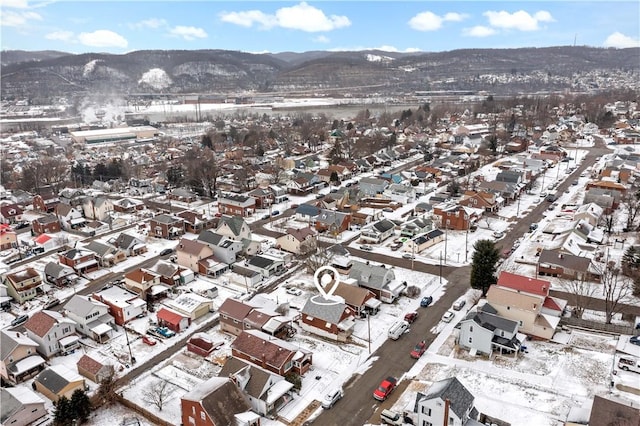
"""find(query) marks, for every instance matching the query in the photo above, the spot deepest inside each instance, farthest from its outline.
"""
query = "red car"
(149, 340)
(418, 350)
(386, 387)
(411, 317)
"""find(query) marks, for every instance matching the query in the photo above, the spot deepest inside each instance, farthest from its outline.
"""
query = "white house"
(445, 398)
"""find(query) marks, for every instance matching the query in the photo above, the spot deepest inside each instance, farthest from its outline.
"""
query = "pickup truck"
(163, 332)
(386, 387)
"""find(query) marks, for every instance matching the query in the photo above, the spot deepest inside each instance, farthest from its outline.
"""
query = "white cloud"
(455, 17)
(519, 20)
(307, 18)
(429, 21)
(16, 4)
(621, 41)
(479, 31)
(9, 18)
(152, 23)
(103, 38)
(321, 39)
(60, 35)
(301, 17)
(248, 18)
(188, 33)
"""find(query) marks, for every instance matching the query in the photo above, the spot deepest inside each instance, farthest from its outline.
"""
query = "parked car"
(418, 350)
(19, 320)
(448, 316)
(389, 417)
(366, 247)
(21, 225)
(635, 340)
(265, 217)
(148, 340)
(387, 210)
(166, 252)
(387, 386)
(294, 291)
(165, 332)
(331, 398)
(275, 213)
(459, 304)
(51, 303)
(498, 234)
(426, 301)
(408, 256)
(411, 317)
(533, 227)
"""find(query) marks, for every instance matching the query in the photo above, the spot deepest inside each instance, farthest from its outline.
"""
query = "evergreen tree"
(80, 405)
(63, 415)
(483, 268)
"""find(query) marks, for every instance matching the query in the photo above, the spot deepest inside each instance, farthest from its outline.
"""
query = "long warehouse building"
(118, 134)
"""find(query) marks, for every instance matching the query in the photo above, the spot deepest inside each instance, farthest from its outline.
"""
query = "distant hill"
(17, 56)
(220, 72)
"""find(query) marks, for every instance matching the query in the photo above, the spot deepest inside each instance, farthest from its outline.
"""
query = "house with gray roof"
(166, 226)
(416, 226)
(224, 248)
(306, 212)
(332, 221)
(444, 398)
(327, 318)
(106, 254)
(266, 265)
(59, 275)
(130, 245)
(484, 331)
(92, 318)
(378, 232)
(421, 242)
(402, 193)
(370, 186)
(234, 227)
(18, 358)
(559, 263)
(57, 381)
(20, 406)
(99, 208)
(377, 278)
(266, 392)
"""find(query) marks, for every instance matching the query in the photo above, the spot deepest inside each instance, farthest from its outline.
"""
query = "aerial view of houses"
(162, 254)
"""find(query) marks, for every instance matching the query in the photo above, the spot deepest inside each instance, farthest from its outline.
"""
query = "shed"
(173, 320)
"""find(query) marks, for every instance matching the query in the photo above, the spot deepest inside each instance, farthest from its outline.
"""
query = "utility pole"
(441, 267)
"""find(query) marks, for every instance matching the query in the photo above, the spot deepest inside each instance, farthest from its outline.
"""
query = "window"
(328, 325)
(426, 423)
(451, 420)
(471, 329)
(470, 339)
(192, 421)
(193, 409)
(508, 308)
(202, 415)
(502, 333)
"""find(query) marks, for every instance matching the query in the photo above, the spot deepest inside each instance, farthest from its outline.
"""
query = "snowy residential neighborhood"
(444, 278)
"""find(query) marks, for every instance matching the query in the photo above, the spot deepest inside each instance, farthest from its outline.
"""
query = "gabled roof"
(140, 276)
(99, 248)
(13, 399)
(263, 347)
(307, 210)
(220, 398)
(258, 379)
(523, 284)
(192, 247)
(210, 237)
(491, 321)
(126, 241)
(56, 377)
(301, 234)
(82, 305)
(90, 364)
(234, 223)
(460, 399)
(383, 225)
(42, 322)
(235, 309)
(371, 275)
(57, 270)
(261, 261)
(9, 340)
(326, 310)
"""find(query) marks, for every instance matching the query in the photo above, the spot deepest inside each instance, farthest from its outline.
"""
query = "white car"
(498, 234)
(408, 256)
(294, 291)
(448, 316)
(331, 398)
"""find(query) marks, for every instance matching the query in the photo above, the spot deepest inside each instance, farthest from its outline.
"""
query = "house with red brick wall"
(455, 217)
(236, 204)
(166, 226)
(82, 261)
(48, 224)
(195, 222)
(46, 201)
(216, 402)
(272, 354)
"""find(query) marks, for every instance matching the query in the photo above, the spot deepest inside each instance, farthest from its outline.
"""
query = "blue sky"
(277, 26)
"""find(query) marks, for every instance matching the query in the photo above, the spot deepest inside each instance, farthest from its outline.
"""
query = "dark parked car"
(426, 301)
(635, 340)
(166, 252)
(19, 320)
(411, 317)
(418, 350)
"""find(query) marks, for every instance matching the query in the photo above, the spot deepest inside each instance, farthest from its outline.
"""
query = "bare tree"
(318, 257)
(582, 292)
(158, 393)
(632, 208)
(616, 288)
